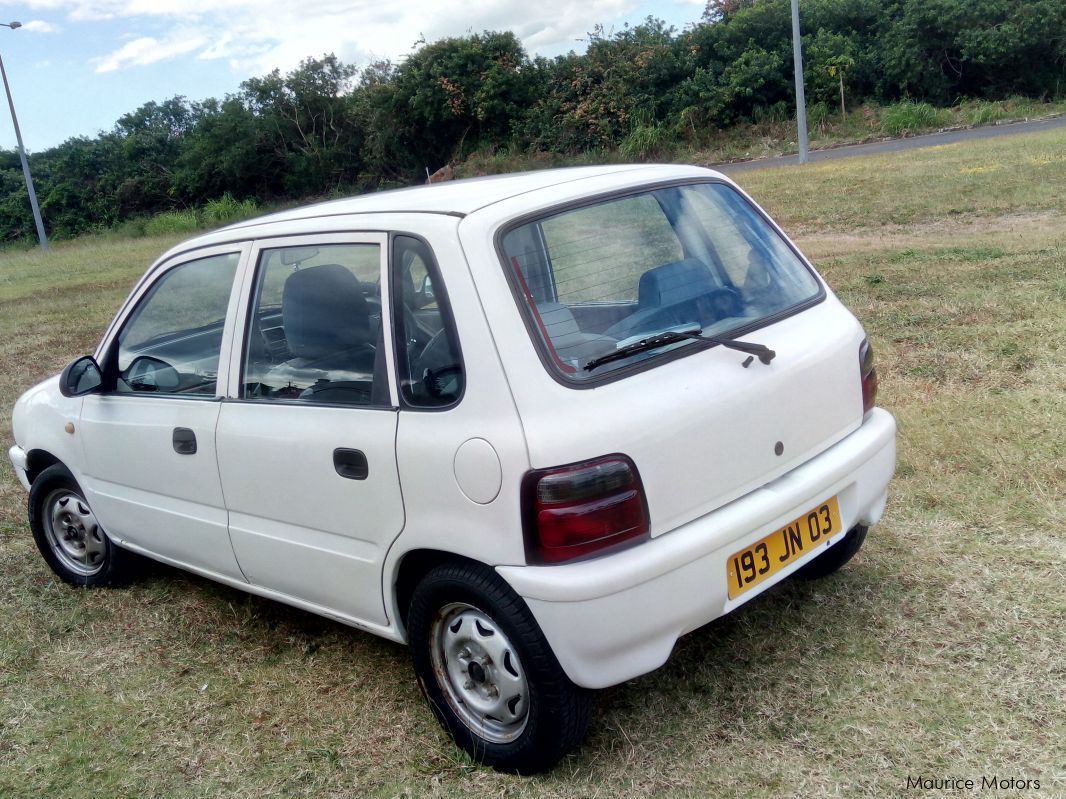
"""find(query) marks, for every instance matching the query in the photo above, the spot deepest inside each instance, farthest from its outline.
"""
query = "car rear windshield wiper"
(764, 354)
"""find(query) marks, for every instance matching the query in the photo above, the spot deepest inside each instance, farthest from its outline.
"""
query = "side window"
(314, 332)
(428, 360)
(171, 342)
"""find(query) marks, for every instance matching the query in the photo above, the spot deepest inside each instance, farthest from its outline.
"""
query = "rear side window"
(428, 359)
(695, 258)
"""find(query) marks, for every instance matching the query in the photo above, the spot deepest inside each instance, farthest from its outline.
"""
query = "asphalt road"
(894, 145)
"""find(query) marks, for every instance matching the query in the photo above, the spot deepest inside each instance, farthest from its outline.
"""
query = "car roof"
(458, 198)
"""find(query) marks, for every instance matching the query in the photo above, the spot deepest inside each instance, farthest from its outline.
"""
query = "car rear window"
(697, 257)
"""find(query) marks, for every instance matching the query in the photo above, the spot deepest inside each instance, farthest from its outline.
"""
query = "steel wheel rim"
(74, 535)
(479, 673)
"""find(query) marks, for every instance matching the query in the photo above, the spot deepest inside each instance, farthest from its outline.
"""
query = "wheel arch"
(409, 570)
(37, 460)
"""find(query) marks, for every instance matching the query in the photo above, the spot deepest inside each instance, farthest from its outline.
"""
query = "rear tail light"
(583, 508)
(869, 376)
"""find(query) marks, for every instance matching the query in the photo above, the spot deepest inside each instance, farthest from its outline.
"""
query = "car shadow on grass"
(756, 673)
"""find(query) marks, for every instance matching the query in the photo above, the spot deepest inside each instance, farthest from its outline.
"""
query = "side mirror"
(82, 376)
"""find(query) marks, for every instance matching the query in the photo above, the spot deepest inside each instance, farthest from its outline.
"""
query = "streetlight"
(797, 62)
(22, 150)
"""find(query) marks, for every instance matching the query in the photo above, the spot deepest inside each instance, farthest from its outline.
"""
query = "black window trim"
(445, 306)
(658, 359)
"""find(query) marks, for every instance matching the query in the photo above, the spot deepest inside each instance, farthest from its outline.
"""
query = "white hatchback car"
(536, 426)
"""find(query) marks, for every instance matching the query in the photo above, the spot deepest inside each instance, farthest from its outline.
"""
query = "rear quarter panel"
(439, 515)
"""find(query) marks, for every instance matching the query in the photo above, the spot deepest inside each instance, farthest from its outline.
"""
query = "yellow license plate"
(750, 566)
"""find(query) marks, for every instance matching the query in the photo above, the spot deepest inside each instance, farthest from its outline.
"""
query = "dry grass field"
(939, 651)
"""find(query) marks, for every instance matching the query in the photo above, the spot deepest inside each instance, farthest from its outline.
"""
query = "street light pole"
(41, 237)
(801, 102)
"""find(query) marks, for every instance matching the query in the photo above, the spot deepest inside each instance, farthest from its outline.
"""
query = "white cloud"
(44, 5)
(146, 50)
(255, 36)
(39, 26)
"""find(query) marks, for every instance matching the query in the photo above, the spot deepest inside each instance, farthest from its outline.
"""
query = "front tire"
(489, 674)
(69, 537)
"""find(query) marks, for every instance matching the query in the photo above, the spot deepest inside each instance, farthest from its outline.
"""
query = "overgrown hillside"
(645, 91)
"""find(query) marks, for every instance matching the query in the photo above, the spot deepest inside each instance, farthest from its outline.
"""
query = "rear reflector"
(869, 376)
(583, 508)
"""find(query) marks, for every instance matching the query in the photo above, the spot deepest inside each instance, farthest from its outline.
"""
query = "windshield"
(597, 278)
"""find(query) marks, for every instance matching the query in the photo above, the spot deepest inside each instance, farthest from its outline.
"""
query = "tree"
(148, 141)
(720, 10)
(79, 182)
(305, 118)
(623, 81)
(325, 127)
(837, 67)
(456, 95)
(228, 150)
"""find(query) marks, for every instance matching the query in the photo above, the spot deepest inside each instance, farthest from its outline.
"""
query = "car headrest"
(674, 283)
(324, 310)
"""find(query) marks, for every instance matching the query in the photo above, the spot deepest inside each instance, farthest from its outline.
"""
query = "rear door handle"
(350, 463)
(184, 441)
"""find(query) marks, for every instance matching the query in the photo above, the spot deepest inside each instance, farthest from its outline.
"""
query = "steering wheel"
(435, 354)
(418, 337)
(436, 368)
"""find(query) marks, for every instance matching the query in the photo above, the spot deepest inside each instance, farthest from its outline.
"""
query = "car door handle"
(184, 441)
(350, 463)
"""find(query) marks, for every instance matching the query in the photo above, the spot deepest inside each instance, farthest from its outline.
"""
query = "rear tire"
(69, 537)
(489, 674)
(835, 557)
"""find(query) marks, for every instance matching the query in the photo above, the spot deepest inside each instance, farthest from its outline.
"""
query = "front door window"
(171, 342)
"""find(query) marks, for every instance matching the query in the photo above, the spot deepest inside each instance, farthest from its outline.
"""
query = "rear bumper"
(18, 460)
(617, 617)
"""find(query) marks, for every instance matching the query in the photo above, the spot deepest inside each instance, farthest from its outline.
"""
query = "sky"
(76, 66)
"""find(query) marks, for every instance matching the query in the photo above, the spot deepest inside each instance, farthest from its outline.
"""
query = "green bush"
(645, 142)
(226, 209)
(818, 115)
(133, 228)
(987, 112)
(982, 112)
(909, 116)
(172, 222)
(770, 115)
